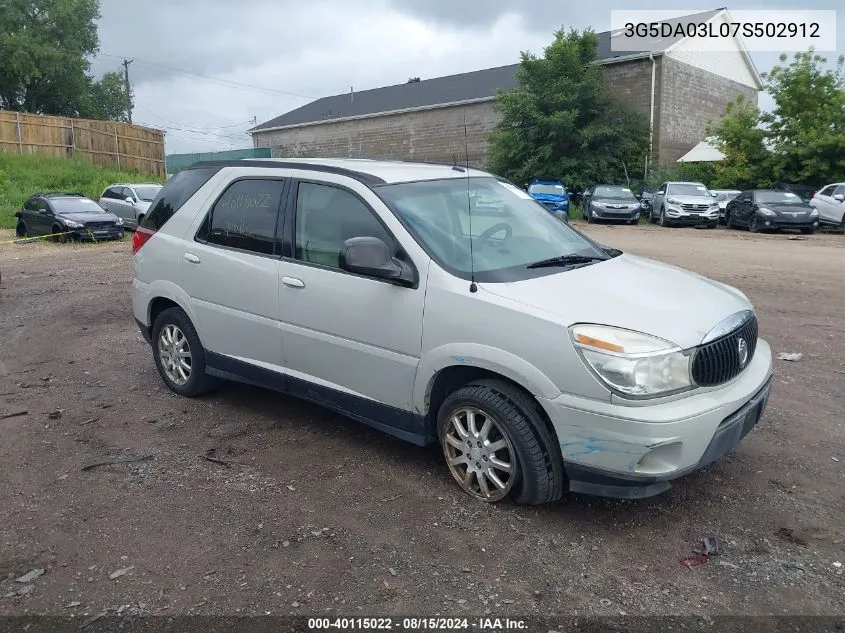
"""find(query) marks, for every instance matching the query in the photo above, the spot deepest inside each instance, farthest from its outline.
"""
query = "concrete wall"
(630, 82)
(690, 98)
(435, 135)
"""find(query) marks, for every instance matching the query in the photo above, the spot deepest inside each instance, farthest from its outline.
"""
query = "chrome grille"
(719, 361)
(99, 225)
(695, 207)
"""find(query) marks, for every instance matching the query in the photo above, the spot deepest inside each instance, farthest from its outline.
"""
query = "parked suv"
(129, 202)
(830, 203)
(66, 216)
(536, 358)
(687, 203)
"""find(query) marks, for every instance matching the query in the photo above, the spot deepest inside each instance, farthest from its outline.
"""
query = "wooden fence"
(119, 145)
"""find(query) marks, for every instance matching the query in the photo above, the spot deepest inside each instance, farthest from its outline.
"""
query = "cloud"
(203, 64)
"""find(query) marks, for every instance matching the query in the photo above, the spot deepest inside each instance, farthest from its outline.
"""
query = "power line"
(220, 127)
(217, 80)
(242, 137)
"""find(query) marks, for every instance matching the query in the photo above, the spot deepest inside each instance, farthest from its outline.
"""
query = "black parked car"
(67, 216)
(611, 202)
(771, 209)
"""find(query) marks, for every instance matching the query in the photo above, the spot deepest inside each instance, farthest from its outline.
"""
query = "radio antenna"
(473, 287)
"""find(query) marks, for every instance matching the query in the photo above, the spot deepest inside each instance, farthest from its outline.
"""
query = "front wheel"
(662, 219)
(754, 225)
(808, 231)
(179, 356)
(496, 444)
(20, 229)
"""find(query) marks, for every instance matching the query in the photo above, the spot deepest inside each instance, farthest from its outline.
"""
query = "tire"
(662, 219)
(713, 225)
(140, 219)
(20, 229)
(809, 231)
(729, 221)
(61, 239)
(632, 222)
(198, 382)
(754, 224)
(587, 216)
(536, 475)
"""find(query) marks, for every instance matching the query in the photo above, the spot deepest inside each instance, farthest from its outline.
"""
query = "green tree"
(740, 137)
(106, 99)
(45, 47)
(561, 119)
(806, 128)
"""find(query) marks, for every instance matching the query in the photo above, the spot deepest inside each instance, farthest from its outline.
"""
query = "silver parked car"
(830, 203)
(538, 359)
(723, 196)
(129, 201)
(689, 203)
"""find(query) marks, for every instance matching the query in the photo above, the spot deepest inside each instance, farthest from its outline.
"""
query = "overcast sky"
(204, 68)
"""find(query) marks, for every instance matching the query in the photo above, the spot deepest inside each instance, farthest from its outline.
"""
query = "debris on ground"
(119, 460)
(797, 237)
(121, 572)
(89, 421)
(30, 576)
(26, 589)
(55, 415)
(6, 416)
(791, 356)
(788, 534)
(709, 547)
(391, 571)
(72, 605)
(837, 564)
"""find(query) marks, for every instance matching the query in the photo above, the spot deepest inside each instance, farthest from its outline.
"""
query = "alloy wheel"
(479, 454)
(175, 354)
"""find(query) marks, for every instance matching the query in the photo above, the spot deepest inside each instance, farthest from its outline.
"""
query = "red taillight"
(141, 237)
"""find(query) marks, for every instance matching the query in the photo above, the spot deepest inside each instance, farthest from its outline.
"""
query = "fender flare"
(484, 357)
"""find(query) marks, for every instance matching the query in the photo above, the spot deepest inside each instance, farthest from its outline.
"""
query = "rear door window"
(246, 216)
(178, 190)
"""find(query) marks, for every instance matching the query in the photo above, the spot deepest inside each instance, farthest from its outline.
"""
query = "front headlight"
(814, 212)
(673, 201)
(600, 205)
(119, 221)
(71, 224)
(634, 364)
(765, 211)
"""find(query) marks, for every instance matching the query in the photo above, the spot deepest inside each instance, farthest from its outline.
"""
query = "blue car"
(552, 194)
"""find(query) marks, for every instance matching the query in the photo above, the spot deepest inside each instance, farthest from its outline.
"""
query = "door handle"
(293, 282)
(193, 259)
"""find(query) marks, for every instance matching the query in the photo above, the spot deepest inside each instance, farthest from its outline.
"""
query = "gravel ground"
(318, 515)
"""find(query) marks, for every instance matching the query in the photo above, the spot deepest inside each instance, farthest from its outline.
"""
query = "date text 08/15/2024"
(417, 624)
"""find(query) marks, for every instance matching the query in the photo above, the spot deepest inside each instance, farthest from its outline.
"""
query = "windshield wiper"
(566, 260)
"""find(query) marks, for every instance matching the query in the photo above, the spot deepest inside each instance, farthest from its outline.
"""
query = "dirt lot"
(323, 516)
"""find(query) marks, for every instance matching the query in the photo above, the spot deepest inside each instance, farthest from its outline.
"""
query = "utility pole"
(126, 63)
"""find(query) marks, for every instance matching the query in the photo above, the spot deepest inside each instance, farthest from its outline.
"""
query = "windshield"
(147, 192)
(687, 189)
(553, 190)
(614, 193)
(778, 197)
(75, 205)
(725, 196)
(509, 232)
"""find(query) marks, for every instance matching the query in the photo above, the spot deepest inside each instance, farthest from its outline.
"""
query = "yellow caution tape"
(41, 237)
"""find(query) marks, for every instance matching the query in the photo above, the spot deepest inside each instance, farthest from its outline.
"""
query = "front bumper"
(691, 219)
(615, 214)
(93, 235)
(634, 451)
(787, 223)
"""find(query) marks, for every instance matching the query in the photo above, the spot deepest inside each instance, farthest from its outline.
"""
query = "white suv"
(538, 359)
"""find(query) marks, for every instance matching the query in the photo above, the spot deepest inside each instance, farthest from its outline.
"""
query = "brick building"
(677, 88)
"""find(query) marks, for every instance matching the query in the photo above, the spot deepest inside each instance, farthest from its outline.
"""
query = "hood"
(787, 208)
(692, 199)
(633, 293)
(617, 201)
(82, 218)
(549, 197)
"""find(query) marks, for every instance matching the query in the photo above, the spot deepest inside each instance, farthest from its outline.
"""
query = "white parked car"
(539, 360)
(684, 203)
(129, 202)
(830, 203)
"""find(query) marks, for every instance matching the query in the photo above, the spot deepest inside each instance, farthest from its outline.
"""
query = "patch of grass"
(22, 176)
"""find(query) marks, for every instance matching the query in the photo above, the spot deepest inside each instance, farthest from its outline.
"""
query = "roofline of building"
(433, 106)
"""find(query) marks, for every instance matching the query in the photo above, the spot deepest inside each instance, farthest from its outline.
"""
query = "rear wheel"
(179, 356)
(496, 444)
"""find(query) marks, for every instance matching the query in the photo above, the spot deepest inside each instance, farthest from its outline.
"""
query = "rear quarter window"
(178, 190)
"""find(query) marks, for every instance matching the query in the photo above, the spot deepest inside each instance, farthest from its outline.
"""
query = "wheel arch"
(163, 295)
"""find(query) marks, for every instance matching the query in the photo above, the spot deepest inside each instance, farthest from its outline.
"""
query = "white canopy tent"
(704, 152)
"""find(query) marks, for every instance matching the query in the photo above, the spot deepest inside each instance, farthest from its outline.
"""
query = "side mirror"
(714, 195)
(839, 197)
(370, 256)
(130, 200)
